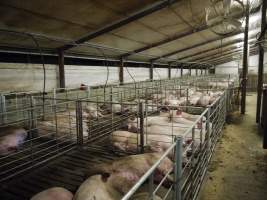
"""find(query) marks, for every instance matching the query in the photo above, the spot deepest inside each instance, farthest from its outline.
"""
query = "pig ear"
(105, 176)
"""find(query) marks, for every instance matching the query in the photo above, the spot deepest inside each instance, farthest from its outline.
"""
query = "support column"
(196, 72)
(201, 71)
(121, 76)
(245, 64)
(181, 71)
(261, 60)
(151, 71)
(61, 69)
(169, 72)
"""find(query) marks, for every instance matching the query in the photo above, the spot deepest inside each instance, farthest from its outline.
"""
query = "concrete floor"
(238, 170)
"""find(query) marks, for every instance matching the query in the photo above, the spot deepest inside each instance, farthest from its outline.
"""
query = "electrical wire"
(132, 77)
(107, 67)
(43, 64)
(157, 73)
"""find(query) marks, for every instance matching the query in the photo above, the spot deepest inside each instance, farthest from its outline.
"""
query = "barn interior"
(152, 99)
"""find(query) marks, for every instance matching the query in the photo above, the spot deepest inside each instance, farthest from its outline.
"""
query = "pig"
(11, 139)
(168, 130)
(55, 193)
(66, 126)
(97, 188)
(144, 196)
(93, 112)
(204, 100)
(127, 141)
(193, 100)
(125, 172)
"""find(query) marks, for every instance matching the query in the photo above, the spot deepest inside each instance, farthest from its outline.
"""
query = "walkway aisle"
(238, 170)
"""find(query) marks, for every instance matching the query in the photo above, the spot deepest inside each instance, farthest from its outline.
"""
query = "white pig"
(11, 140)
(55, 193)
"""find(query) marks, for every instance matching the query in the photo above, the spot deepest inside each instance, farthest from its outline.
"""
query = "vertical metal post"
(121, 67)
(181, 71)
(151, 186)
(3, 108)
(79, 122)
(264, 118)
(169, 71)
(196, 72)
(261, 59)
(61, 69)
(88, 92)
(201, 71)
(142, 138)
(190, 71)
(178, 169)
(208, 137)
(151, 71)
(245, 63)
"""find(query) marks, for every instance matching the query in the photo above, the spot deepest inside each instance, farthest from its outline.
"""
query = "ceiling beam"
(133, 17)
(24, 57)
(195, 46)
(201, 28)
(214, 60)
(212, 49)
(226, 54)
(230, 58)
(205, 57)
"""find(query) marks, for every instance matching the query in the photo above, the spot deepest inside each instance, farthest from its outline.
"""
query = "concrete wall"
(25, 77)
(139, 74)
(89, 75)
(175, 72)
(160, 73)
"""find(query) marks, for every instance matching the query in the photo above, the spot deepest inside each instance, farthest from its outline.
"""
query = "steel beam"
(245, 64)
(229, 52)
(130, 18)
(228, 58)
(195, 46)
(151, 71)
(121, 76)
(169, 72)
(212, 49)
(201, 28)
(261, 60)
(61, 69)
(214, 54)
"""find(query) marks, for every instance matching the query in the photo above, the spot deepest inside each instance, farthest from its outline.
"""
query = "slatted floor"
(66, 171)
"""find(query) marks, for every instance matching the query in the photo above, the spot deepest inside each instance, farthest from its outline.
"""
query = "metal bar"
(178, 169)
(151, 71)
(169, 72)
(201, 28)
(245, 64)
(61, 69)
(253, 51)
(216, 55)
(196, 45)
(261, 60)
(121, 77)
(130, 18)
(141, 117)
(212, 49)
(79, 122)
(264, 118)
